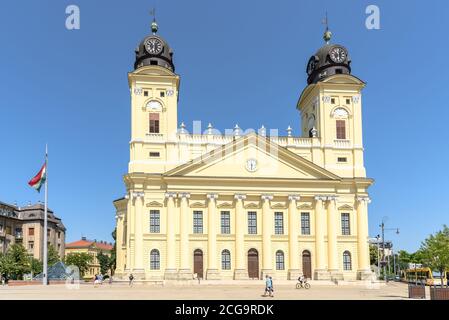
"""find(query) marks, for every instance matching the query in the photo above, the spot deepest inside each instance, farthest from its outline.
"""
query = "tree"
(79, 259)
(373, 254)
(52, 255)
(20, 258)
(435, 251)
(35, 266)
(7, 265)
(105, 262)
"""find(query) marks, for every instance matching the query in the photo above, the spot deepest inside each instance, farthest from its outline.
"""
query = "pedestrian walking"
(268, 286)
(131, 280)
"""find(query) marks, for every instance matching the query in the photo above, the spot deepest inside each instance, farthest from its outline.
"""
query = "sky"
(240, 62)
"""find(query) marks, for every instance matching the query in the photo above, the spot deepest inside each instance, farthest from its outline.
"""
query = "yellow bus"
(424, 275)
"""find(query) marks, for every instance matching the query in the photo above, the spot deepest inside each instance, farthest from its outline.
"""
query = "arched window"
(155, 260)
(225, 260)
(280, 260)
(341, 115)
(347, 265)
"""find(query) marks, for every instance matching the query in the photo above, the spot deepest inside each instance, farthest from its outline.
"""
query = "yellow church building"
(242, 205)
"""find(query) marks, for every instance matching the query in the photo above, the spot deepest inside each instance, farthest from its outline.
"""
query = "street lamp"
(382, 226)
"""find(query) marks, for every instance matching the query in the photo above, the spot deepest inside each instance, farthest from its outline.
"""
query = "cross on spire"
(327, 34)
(154, 25)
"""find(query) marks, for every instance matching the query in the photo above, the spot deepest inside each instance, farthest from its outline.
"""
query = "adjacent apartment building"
(25, 225)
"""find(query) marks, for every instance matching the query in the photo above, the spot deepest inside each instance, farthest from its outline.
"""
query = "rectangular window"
(342, 159)
(30, 245)
(345, 224)
(155, 154)
(155, 221)
(154, 122)
(341, 129)
(225, 222)
(59, 235)
(252, 222)
(162, 94)
(305, 223)
(48, 233)
(197, 221)
(332, 100)
(145, 93)
(348, 101)
(278, 223)
(31, 231)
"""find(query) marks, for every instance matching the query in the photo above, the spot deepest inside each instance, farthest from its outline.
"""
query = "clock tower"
(331, 110)
(154, 89)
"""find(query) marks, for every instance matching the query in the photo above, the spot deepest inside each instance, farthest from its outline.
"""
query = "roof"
(89, 244)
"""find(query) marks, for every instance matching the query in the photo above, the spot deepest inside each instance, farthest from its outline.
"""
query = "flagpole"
(45, 267)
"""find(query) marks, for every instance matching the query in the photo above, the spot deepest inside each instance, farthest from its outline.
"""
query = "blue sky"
(69, 88)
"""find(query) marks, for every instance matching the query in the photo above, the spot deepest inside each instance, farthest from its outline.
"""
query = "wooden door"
(307, 264)
(253, 264)
(198, 263)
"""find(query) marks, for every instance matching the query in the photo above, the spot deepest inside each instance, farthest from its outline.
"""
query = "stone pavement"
(239, 290)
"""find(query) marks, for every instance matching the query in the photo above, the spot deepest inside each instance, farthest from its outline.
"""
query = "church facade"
(245, 204)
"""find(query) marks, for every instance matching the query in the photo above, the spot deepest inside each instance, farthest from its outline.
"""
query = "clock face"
(311, 65)
(338, 54)
(153, 45)
(251, 165)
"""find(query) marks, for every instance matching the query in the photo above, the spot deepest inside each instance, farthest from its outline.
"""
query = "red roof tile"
(89, 243)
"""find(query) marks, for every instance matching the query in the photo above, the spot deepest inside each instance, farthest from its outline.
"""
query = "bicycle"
(304, 285)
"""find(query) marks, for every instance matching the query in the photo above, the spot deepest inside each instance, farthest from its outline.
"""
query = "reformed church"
(243, 205)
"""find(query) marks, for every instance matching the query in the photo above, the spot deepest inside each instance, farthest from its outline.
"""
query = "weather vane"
(154, 26)
(153, 14)
(327, 34)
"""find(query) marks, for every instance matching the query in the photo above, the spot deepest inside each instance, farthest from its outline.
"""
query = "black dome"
(328, 60)
(161, 55)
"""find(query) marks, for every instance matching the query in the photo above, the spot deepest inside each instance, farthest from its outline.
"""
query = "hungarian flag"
(39, 179)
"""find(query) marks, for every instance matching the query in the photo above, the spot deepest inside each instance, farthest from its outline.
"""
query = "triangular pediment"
(345, 207)
(252, 157)
(155, 204)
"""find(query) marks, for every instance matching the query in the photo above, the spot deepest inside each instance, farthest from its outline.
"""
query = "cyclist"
(302, 279)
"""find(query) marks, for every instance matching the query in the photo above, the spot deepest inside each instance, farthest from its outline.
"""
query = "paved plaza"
(208, 291)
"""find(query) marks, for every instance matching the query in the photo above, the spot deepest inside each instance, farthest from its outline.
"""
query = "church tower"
(331, 110)
(154, 89)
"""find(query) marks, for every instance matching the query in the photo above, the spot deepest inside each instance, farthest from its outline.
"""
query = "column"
(120, 220)
(320, 267)
(138, 269)
(364, 271)
(212, 269)
(293, 249)
(185, 272)
(170, 269)
(267, 230)
(240, 271)
(332, 251)
(129, 228)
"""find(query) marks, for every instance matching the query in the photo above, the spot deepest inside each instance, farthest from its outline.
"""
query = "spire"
(154, 26)
(327, 34)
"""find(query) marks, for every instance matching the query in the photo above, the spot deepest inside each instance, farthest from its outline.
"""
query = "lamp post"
(382, 226)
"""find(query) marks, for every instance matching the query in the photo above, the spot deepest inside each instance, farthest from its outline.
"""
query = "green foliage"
(35, 266)
(20, 259)
(105, 262)
(7, 265)
(52, 255)
(373, 254)
(79, 259)
(435, 251)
